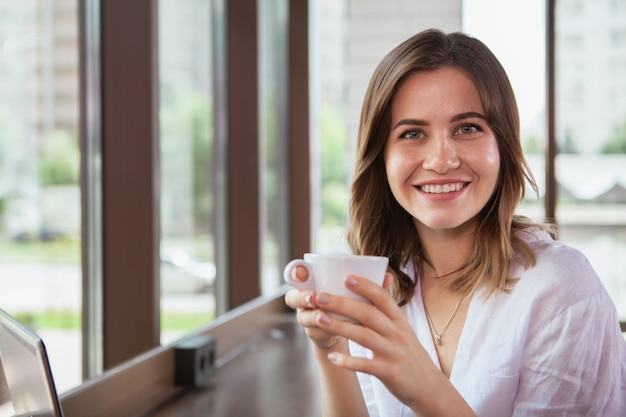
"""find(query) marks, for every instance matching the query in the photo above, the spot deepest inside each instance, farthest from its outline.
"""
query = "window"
(188, 270)
(273, 143)
(40, 197)
(591, 140)
(154, 214)
(332, 146)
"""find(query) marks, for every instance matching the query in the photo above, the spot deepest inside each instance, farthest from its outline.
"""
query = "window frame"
(119, 139)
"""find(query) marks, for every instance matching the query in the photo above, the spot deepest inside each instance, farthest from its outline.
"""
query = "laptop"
(27, 375)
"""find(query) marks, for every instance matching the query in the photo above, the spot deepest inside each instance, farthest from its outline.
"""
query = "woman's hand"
(399, 360)
(339, 388)
(305, 304)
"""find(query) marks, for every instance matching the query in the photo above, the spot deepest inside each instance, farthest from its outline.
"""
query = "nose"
(441, 155)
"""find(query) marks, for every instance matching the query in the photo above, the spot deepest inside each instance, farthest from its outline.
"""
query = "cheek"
(393, 171)
(490, 162)
(394, 164)
(389, 164)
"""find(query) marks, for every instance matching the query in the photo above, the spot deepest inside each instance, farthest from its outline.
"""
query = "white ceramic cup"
(327, 272)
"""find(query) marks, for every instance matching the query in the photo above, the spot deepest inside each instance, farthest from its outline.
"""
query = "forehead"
(446, 89)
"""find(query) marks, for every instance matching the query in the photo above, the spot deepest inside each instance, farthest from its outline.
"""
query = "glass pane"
(332, 152)
(272, 96)
(186, 127)
(591, 135)
(40, 268)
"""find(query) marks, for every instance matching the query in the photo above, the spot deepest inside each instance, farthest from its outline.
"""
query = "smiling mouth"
(441, 188)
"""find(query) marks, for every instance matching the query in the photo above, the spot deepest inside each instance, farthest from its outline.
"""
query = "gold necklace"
(430, 322)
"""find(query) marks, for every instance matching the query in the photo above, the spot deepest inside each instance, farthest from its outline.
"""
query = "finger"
(296, 298)
(307, 318)
(358, 364)
(358, 311)
(365, 336)
(300, 273)
(378, 295)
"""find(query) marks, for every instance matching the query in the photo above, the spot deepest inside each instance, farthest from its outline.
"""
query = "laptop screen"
(26, 369)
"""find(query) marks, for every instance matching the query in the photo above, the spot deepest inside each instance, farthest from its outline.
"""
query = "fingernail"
(300, 273)
(351, 281)
(323, 318)
(323, 298)
(333, 357)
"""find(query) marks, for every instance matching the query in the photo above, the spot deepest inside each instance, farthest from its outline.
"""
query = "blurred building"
(590, 72)
(41, 44)
(39, 76)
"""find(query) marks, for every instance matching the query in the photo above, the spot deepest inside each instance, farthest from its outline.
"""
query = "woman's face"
(441, 156)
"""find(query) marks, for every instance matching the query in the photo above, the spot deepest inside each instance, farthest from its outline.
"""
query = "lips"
(441, 188)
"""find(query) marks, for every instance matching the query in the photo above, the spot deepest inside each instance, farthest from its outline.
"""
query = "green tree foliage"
(59, 159)
(186, 122)
(335, 162)
(335, 200)
(532, 144)
(617, 142)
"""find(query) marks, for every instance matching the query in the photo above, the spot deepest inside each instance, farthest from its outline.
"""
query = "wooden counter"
(264, 367)
(274, 375)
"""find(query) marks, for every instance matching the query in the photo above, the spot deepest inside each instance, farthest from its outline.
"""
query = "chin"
(446, 224)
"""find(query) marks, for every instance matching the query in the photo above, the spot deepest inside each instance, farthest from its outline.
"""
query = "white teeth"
(441, 188)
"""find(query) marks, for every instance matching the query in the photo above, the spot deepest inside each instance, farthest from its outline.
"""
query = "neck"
(446, 250)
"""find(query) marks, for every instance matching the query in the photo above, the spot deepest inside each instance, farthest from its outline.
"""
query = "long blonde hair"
(380, 226)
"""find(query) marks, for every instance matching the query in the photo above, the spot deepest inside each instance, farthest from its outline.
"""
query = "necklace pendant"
(432, 327)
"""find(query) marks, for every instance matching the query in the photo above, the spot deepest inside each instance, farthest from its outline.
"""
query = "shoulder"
(572, 348)
(562, 273)
(557, 262)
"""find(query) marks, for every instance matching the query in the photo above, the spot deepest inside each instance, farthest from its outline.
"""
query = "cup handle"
(308, 285)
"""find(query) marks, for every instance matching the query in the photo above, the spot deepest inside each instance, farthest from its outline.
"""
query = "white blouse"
(551, 347)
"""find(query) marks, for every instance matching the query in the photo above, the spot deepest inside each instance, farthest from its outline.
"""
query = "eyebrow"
(468, 115)
(456, 118)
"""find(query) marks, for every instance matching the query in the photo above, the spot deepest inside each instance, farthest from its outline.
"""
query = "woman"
(482, 312)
